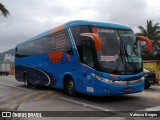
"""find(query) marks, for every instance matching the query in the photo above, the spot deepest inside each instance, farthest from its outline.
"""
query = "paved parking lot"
(13, 93)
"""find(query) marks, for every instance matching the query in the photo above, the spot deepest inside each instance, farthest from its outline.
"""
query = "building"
(9, 57)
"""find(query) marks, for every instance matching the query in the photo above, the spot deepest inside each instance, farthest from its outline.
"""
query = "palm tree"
(151, 31)
(3, 10)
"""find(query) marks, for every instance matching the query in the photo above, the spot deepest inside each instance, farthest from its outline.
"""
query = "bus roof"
(94, 23)
(77, 23)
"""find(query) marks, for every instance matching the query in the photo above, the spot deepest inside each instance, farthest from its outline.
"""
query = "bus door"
(88, 63)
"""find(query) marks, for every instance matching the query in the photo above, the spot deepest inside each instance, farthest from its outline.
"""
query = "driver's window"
(88, 53)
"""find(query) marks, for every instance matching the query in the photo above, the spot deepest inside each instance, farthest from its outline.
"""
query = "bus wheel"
(69, 86)
(26, 83)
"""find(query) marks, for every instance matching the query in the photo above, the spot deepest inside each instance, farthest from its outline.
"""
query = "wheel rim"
(70, 87)
(26, 82)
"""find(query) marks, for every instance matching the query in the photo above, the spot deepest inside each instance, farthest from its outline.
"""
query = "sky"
(31, 17)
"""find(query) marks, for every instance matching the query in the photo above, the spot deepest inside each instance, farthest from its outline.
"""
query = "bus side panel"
(61, 69)
(86, 83)
(37, 68)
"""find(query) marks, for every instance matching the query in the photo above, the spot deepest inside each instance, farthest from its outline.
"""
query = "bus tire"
(69, 86)
(26, 82)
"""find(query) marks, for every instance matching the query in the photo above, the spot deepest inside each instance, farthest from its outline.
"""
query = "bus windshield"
(120, 51)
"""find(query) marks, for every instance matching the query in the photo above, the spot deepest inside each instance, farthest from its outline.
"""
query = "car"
(150, 78)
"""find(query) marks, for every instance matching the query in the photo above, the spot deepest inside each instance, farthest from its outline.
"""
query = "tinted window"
(76, 31)
(57, 42)
(30, 48)
(88, 53)
(21, 51)
(60, 40)
(68, 46)
(24, 50)
(39, 46)
(51, 43)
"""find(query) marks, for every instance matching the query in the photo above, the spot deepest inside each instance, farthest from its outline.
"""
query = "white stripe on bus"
(43, 73)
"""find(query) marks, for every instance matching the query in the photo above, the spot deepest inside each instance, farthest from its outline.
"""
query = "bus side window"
(68, 46)
(88, 53)
(30, 48)
(24, 50)
(76, 31)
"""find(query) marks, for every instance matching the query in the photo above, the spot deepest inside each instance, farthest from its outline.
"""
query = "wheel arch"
(69, 85)
(65, 78)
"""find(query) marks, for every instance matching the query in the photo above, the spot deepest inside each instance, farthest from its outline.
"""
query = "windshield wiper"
(121, 55)
(120, 59)
(129, 57)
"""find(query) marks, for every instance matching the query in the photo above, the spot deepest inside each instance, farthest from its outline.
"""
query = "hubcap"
(70, 87)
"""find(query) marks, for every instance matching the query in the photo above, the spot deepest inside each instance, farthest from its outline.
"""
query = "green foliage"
(3, 10)
(152, 31)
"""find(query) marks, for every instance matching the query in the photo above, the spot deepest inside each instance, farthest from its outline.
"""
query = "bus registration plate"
(127, 90)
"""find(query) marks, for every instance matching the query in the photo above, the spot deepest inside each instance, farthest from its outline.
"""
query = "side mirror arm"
(95, 38)
(148, 41)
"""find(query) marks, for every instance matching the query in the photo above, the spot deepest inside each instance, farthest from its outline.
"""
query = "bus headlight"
(142, 78)
(101, 78)
(119, 83)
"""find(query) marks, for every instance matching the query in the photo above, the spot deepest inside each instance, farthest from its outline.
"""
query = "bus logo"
(55, 57)
(6, 114)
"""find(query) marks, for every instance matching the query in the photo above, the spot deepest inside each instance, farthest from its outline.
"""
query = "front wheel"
(26, 83)
(69, 86)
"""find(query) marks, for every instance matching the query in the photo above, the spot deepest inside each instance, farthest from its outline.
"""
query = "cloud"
(31, 17)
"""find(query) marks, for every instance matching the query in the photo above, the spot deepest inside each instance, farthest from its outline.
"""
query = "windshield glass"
(120, 51)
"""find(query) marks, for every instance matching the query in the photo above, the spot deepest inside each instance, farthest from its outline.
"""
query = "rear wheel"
(26, 83)
(69, 86)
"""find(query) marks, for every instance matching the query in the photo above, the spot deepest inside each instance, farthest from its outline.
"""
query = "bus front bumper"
(106, 89)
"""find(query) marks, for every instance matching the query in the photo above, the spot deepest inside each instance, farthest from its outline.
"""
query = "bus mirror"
(95, 38)
(148, 42)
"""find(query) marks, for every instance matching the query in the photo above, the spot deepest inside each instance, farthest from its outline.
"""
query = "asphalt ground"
(13, 93)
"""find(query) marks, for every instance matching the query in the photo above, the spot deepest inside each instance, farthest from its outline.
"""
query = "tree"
(152, 31)
(3, 10)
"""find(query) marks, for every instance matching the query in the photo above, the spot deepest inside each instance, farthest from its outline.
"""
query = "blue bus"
(95, 58)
